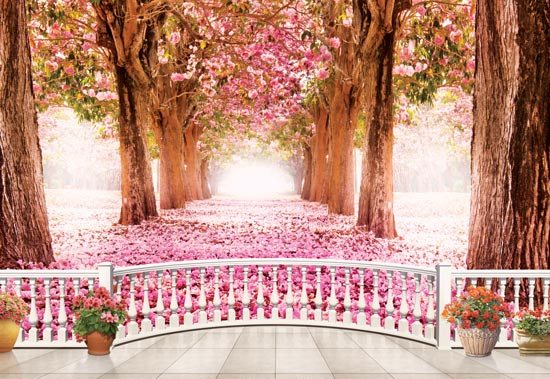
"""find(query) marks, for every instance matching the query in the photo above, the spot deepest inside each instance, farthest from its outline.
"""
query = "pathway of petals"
(433, 228)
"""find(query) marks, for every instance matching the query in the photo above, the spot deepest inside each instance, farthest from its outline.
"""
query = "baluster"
(33, 314)
(188, 303)
(318, 295)
(62, 315)
(174, 317)
(545, 288)
(346, 317)
(289, 295)
(217, 301)
(516, 294)
(17, 282)
(246, 295)
(459, 288)
(203, 317)
(260, 297)
(375, 306)
(274, 296)
(361, 303)
(488, 283)
(503, 336)
(47, 318)
(403, 325)
(160, 322)
(146, 324)
(76, 292)
(430, 312)
(333, 301)
(231, 295)
(303, 297)
(531, 294)
(389, 321)
(417, 311)
(119, 288)
(3, 286)
(121, 332)
(132, 311)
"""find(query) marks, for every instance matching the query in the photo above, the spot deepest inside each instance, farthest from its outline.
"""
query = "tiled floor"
(272, 353)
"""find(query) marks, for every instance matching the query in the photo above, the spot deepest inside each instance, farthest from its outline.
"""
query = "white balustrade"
(213, 296)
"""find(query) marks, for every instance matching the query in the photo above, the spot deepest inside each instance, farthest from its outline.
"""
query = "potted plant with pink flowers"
(98, 316)
(13, 310)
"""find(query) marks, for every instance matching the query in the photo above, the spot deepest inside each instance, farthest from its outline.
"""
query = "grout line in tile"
(320, 352)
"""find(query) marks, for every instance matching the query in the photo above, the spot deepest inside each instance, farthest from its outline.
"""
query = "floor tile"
(97, 364)
(18, 356)
(293, 329)
(372, 340)
(293, 340)
(188, 376)
(129, 376)
(362, 376)
(426, 376)
(506, 364)
(300, 361)
(217, 341)
(231, 330)
(20, 376)
(72, 376)
(178, 340)
(409, 344)
(400, 361)
(256, 341)
(250, 361)
(259, 329)
(200, 361)
(450, 361)
(333, 339)
(539, 360)
(47, 363)
(246, 376)
(353, 361)
(528, 376)
(150, 361)
(141, 344)
(306, 376)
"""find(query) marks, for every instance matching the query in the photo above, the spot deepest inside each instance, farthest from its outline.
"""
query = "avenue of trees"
(314, 78)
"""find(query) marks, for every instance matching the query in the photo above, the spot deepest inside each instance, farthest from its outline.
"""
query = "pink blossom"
(175, 38)
(177, 77)
(322, 74)
(334, 42)
(456, 35)
(438, 40)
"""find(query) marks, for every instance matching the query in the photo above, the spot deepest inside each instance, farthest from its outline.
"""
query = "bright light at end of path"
(252, 180)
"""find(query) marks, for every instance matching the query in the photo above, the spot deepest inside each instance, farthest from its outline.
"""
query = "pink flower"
(177, 77)
(322, 74)
(69, 70)
(438, 40)
(471, 65)
(456, 36)
(347, 22)
(175, 37)
(334, 42)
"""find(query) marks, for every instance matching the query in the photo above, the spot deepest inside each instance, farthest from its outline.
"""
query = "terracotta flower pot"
(9, 331)
(478, 342)
(529, 344)
(99, 344)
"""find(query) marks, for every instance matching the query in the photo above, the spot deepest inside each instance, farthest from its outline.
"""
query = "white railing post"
(106, 275)
(443, 328)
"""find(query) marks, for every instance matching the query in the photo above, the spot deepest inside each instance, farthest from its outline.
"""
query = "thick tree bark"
(206, 193)
(132, 40)
(510, 203)
(319, 154)
(192, 162)
(138, 195)
(376, 193)
(306, 189)
(24, 232)
(169, 136)
(343, 118)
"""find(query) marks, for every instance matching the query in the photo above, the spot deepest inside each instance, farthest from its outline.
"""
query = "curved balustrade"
(176, 296)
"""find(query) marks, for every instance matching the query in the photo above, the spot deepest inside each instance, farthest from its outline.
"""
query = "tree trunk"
(319, 153)
(510, 203)
(192, 162)
(306, 189)
(169, 136)
(206, 193)
(138, 195)
(24, 232)
(343, 117)
(376, 193)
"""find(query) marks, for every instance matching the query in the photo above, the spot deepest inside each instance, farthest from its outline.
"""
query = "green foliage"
(535, 323)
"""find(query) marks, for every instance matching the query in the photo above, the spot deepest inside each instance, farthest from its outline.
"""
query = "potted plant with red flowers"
(477, 314)
(533, 331)
(13, 310)
(98, 316)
